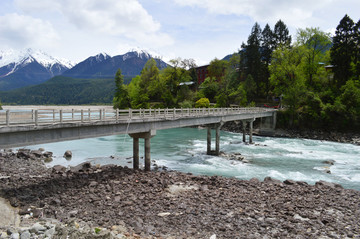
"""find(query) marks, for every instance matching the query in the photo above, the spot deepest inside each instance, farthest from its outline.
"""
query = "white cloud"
(292, 12)
(25, 31)
(123, 18)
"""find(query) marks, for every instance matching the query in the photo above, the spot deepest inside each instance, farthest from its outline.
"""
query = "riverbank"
(340, 137)
(115, 202)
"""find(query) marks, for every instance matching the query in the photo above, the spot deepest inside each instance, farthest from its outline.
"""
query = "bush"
(186, 104)
(202, 103)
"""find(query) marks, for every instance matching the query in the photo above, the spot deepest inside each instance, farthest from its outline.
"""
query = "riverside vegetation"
(316, 78)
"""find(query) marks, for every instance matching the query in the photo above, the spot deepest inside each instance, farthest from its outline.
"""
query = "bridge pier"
(268, 125)
(217, 140)
(251, 123)
(146, 136)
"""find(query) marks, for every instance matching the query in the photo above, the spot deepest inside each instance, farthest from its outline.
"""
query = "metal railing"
(41, 117)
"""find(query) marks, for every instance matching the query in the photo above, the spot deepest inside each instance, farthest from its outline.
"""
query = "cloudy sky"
(198, 29)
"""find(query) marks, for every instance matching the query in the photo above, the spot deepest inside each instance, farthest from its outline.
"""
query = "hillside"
(62, 90)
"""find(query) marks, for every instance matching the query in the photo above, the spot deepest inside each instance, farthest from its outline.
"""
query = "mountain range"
(29, 67)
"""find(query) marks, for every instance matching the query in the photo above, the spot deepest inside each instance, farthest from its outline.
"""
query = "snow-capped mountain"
(105, 66)
(28, 67)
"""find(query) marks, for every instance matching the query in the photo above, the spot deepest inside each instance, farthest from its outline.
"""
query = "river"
(184, 149)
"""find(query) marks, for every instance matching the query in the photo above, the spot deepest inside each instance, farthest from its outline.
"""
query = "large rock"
(9, 215)
(68, 154)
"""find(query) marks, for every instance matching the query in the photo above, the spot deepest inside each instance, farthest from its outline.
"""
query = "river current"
(184, 149)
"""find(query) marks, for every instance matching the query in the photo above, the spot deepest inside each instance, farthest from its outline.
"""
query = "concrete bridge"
(37, 126)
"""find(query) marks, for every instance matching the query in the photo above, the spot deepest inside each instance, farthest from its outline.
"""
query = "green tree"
(138, 97)
(342, 50)
(216, 69)
(357, 50)
(251, 58)
(150, 81)
(287, 77)
(121, 97)
(317, 44)
(281, 35)
(267, 47)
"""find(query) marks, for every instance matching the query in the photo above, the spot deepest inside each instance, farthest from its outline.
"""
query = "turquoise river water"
(184, 149)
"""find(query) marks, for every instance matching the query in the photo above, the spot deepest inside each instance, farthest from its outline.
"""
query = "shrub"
(202, 103)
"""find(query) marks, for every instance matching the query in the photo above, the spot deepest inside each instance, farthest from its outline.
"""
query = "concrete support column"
(244, 130)
(251, 131)
(208, 151)
(217, 143)
(135, 153)
(147, 154)
(274, 121)
(146, 136)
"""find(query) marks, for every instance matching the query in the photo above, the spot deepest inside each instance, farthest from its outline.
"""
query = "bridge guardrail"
(41, 117)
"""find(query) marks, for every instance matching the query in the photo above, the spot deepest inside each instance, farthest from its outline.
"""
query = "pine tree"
(267, 47)
(253, 57)
(281, 35)
(121, 97)
(343, 50)
(357, 50)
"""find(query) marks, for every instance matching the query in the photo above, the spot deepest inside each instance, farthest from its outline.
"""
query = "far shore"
(56, 107)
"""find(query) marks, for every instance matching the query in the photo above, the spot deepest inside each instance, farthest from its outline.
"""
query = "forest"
(313, 79)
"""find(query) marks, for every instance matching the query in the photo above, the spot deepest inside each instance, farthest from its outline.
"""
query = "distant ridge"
(105, 66)
(28, 67)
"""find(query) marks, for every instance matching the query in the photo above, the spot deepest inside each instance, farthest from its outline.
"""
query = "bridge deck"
(28, 127)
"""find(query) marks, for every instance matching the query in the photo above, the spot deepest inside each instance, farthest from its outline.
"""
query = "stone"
(68, 154)
(59, 169)
(15, 235)
(81, 167)
(25, 235)
(9, 215)
(164, 214)
(37, 227)
(330, 162)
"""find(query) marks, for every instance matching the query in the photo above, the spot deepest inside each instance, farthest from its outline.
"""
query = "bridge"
(37, 126)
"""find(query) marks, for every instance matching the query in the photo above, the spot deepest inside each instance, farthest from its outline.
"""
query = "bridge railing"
(40, 116)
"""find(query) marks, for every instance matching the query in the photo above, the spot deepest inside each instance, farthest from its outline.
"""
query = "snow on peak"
(102, 56)
(29, 55)
(137, 52)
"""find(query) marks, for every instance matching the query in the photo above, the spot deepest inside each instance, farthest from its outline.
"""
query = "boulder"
(330, 162)
(68, 154)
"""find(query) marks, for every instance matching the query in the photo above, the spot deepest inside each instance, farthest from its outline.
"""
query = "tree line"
(315, 78)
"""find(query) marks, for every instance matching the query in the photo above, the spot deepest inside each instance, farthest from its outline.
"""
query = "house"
(201, 73)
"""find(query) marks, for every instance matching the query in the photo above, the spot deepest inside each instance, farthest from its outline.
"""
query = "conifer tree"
(281, 35)
(121, 97)
(342, 50)
(252, 56)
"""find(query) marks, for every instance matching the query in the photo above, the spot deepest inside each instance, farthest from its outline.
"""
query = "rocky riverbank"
(115, 202)
(341, 137)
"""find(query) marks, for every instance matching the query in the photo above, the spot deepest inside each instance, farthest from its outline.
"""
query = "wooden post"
(117, 115)
(61, 116)
(72, 114)
(82, 115)
(135, 153)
